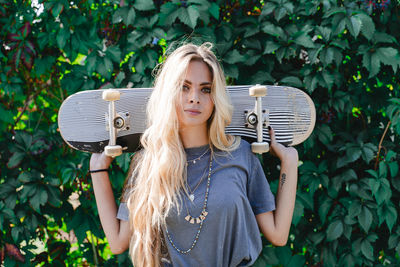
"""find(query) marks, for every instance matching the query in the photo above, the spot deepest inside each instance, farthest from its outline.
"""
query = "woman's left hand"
(280, 151)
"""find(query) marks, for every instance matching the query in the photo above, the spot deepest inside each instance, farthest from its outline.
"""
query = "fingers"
(271, 134)
(275, 147)
(272, 141)
(279, 150)
(100, 161)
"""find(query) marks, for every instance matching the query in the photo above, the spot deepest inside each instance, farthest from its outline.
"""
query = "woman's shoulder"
(244, 147)
(245, 153)
(241, 157)
(241, 150)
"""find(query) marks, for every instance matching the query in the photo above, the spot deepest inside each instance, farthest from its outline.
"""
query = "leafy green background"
(345, 54)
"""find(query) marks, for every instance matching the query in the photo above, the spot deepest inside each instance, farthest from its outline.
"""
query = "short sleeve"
(123, 212)
(258, 190)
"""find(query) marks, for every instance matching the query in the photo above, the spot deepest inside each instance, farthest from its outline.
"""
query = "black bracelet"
(100, 170)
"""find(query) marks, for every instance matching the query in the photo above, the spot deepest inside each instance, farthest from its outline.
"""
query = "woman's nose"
(194, 96)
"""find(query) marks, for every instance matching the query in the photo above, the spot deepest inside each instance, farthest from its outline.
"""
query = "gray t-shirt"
(238, 191)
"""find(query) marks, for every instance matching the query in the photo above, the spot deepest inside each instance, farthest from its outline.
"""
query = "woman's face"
(195, 105)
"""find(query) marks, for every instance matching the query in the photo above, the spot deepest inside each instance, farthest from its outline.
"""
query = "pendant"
(191, 197)
(197, 220)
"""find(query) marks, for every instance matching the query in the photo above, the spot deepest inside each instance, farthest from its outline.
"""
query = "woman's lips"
(192, 111)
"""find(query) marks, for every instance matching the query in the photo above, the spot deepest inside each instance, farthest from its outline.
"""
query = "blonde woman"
(194, 196)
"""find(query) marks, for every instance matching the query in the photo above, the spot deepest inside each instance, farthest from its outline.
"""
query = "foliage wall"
(345, 54)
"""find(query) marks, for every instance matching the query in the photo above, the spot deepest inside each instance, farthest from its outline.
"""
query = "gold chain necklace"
(196, 159)
(191, 192)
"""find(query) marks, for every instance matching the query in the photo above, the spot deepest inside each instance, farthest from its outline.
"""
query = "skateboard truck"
(251, 119)
(121, 121)
(256, 119)
(112, 150)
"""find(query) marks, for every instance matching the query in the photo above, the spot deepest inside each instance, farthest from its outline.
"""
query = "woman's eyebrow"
(203, 83)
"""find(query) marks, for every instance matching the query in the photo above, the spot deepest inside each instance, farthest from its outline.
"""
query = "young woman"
(194, 196)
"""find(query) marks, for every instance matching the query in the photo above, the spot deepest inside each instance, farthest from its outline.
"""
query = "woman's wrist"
(98, 170)
(99, 165)
(291, 156)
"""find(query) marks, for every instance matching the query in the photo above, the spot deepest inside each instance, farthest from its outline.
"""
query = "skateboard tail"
(129, 143)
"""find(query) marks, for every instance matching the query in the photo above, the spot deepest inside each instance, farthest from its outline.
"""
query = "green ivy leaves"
(188, 12)
(124, 14)
(373, 58)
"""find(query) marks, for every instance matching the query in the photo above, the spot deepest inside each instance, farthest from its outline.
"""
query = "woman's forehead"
(198, 72)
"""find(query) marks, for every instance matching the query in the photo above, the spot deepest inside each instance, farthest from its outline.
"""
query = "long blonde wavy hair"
(159, 172)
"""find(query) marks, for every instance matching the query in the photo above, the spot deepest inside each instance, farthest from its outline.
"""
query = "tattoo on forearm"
(283, 179)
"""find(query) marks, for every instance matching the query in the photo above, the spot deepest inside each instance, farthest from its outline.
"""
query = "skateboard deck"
(83, 118)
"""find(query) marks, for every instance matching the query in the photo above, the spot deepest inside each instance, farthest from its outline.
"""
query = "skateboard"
(112, 120)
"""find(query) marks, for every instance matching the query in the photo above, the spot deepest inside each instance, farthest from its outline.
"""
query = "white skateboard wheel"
(258, 90)
(113, 151)
(260, 148)
(111, 95)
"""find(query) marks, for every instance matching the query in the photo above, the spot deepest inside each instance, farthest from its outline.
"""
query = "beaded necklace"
(200, 219)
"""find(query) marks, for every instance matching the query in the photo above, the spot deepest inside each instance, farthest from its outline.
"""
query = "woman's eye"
(185, 88)
(206, 90)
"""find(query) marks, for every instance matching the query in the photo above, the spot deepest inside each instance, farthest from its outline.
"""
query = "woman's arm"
(116, 231)
(275, 225)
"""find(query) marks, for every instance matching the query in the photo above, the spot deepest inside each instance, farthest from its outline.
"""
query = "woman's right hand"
(100, 161)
